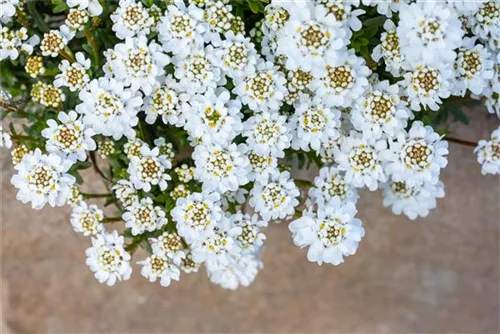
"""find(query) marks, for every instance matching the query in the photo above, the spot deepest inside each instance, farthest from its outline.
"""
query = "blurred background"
(433, 275)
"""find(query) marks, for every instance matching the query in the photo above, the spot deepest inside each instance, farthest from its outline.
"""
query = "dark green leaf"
(59, 6)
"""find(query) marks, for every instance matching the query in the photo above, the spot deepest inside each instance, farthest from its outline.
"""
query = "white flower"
(52, 43)
(267, 134)
(214, 117)
(345, 79)
(262, 90)
(309, 38)
(156, 266)
(386, 7)
(380, 110)
(343, 13)
(76, 19)
(276, 198)
(87, 219)
(328, 149)
(109, 108)
(487, 21)
(218, 20)
(150, 169)
(277, 14)
(488, 154)
(426, 86)
(136, 63)
(359, 157)
(125, 192)
(165, 148)
(331, 184)
(236, 56)
(131, 19)
(7, 9)
(74, 75)
(170, 245)
(493, 94)
(108, 259)
(196, 72)
(169, 102)
(70, 139)
(261, 165)
(143, 216)
(466, 6)
(43, 179)
(473, 68)
(412, 200)
(221, 168)
(313, 124)
(188, 265)
(240, 270)
(196, 215)
(93, 6)
(12, 42)
(250, 239)
(180, 30)
(417, 156)
(132, 148)
(389, 49)
(217, 245)
(330, 232)
(5, 140)
(429, 32)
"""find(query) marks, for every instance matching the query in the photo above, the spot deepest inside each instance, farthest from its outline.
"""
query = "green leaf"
(256, 6)
(37, 17)
(59, 6)
(370, 32)
(147, 3)
(375, 21)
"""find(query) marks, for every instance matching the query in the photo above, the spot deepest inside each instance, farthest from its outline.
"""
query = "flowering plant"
(194, 112)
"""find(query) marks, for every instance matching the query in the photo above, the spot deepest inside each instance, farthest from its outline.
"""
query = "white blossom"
(417, 156)
(276, 198)
(159, 267)
(330, 232)
(108, 259)
(360, 158)
(313, 124)
(43, 179)
(131, 19)
(488, 154)
(87, 219)
(412, 200)
(267, 134)
(150, 169)
(144, 216)
(71, 138)
(109, 108)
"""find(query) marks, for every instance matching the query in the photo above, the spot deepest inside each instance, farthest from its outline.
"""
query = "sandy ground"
(437, 275)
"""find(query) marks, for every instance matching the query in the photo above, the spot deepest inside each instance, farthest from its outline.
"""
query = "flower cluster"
(200, 118)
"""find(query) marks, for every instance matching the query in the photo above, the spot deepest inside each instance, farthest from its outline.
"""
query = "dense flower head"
(43, 179)
(330, 232)
(488, 153)
(108, 259)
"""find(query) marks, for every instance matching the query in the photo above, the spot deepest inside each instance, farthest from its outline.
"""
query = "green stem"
(461, 141)
(20, 138)
(303, 183)
(89, 195)
(11, 109)
(93, 45)
(112, 219)
(66, 55)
